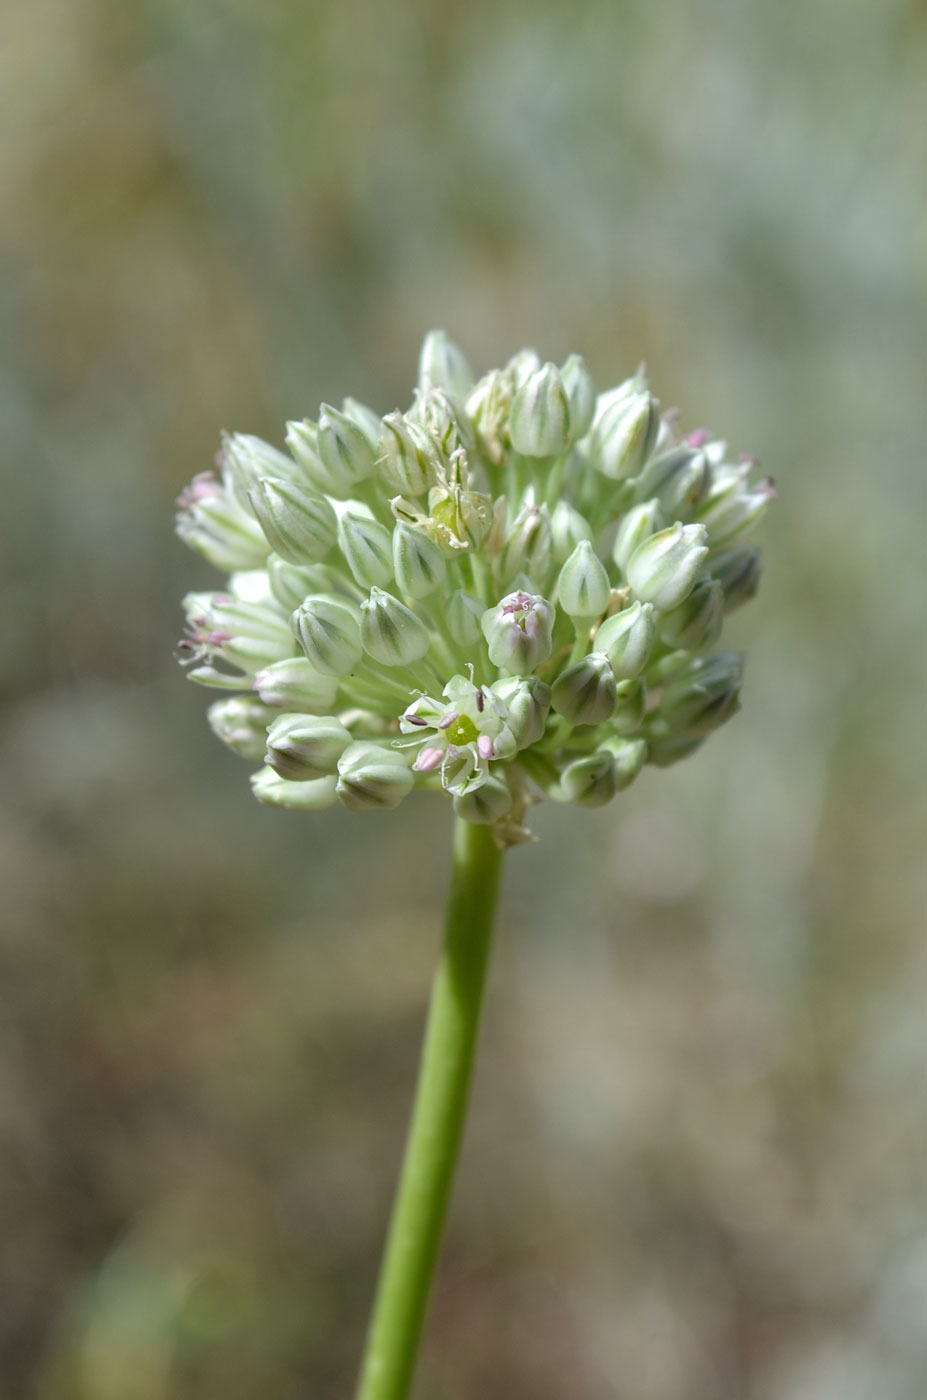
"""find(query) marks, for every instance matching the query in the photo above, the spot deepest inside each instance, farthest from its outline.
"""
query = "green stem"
(437, 1118)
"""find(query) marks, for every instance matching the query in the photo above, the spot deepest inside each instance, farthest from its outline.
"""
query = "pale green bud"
(371, 776)
(390, 632)
(733, 514)
(486, 804)
(367, 547)
(626, 639)
(624, 432)
(522, 365)
(529, 547)
(583, 584)
(637, 525)
(302, 438)
(299, 526)
(631, 701)
(705, 696)
(300, 747)
(417, 562)
(539, 423)
(294, 684)
(275, 791)
(246, 458)
(348, 455)
(580, 392)
(738, 572)
(589, 781)
(442, 365)
(329, 634)
(519, 632)
(585, 692)
(406, 456)
(697, 621)
(211, 521)
(629, 756)
(463, 618)
(364, 417)
(663, 569)
(527, 705)
(678, 479)
(567, 529)
(290, 583)
(241, 722)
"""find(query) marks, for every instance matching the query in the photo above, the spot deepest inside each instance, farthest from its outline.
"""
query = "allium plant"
(513, 590)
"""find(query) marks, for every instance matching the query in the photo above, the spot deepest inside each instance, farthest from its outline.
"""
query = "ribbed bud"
(371, 776)
(589, 781)
(418, 563)
(527, 704)
(485, 804)
(246, 458)
(580, 392)
(539, 424)
(624, 432)
(519, 632)
(442, 365)
(406, 456)
(347, 453)
(705, 696)
(463, 618)
(294, 684)
(241, 722)
(631, 701)
(302, 438)
(665, 749)
(364, 417)
(696, 622)
(663, 569)
(678, 479)
(390, 632)
(583, 583)
(731, 515)
(738, 572)
(291, 583)
(275, 791)
(211, 521)
(299, 526)
(301, 747)
(629, 757)
(367, 547)
(626, 639)
(567, 529)
(329, 634)
(637, 525)
(529, 547)
(585, 692)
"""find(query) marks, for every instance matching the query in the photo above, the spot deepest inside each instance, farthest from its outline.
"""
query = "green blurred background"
(695, 1168)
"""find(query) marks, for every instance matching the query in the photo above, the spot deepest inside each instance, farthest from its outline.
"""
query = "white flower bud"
(300, 527)
(463, 618)
(567, 529)
(329, 634)
(211, 521)
(294, 684)
(589, 781)
(418, 563)
(367, 547)
(241, 722)
(585, 692)
(300, 747)
(583, 584)
(406, 456)
(697, 621)
(372, 776)
(364, 417)
(637, 525)
(663, 569)
(246, 458)
(624, 432)
(539, 424)
(486, 804)
(442, 365)
(580, 392)
(275, 791)
(626, 638)
(631, 699)
(729, 515)
(519, 632)
(529, 547)
(347, 453)
(302, 438)
(290, 583)
(678, 479)
(527, 705)
(390, 632)
(629, 757)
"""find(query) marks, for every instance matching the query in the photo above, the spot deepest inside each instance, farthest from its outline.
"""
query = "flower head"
(509, 591)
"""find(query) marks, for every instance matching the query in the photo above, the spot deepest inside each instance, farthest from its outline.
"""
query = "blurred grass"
(694, 1168)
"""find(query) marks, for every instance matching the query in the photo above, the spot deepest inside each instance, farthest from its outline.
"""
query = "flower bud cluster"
(509, 591)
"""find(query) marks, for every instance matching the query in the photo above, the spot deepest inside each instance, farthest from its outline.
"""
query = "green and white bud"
(364, 417)
(519, 632)
(407, 456)
(299, 526)
(347, 454)
(626, 639)
(294, 684)
(738, 572)
(589, 781)
(418, 563)
(485, 804)
(585, 692)
(301, 747)
(390, 632)
(211, 521)
(245, 458)
(580, 392)
(729, 515)
(663, 570)
(241, 722)
(696, 622)
(522, 365)
(583, 583)
(291, 583)
(275, 791)
(706, 695)
(329, 633)
(302, 438)
(637, 525)
(527, 704)
(367, 547)
(678, 479)
(665, 748)
(372, 776)
(442, 365)
(539, 424)
(631, 702)
(629, 757)
(567, 529)
(624, 432)
(529, 546)
(463, 616)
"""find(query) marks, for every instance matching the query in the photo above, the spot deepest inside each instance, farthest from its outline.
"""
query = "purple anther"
(697, 438)
(484, 746)
(428, 759)
(453, 751)
(480, 701)
(522, 602)
(219, 639)
(416, 720)
(447, 721)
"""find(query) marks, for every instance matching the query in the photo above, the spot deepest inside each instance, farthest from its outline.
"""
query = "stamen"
(484, 746)
(447, 721)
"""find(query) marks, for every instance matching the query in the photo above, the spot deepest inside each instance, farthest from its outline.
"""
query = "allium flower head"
(507, 592)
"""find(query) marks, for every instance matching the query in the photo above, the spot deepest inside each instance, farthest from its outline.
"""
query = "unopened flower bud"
(637, 525)
(678, 479)
(406, 456)
(246, 458)
(663, 569)
(301, 747)
(626, 638)
(522, 365)
(241, 722)
(290, 583)
(390, 632)
(347, 453)
(738, 572)
(624, 432)
(364, 417)
(442, 365)
(705, 696)
(631, 699)
(529, 547)
(329, 634)
(580, 391)
(275, 791)
(585, 692)
(665, 748)
(539, 424)
(463, 618)
(211, 521)
(372, 776)
(367, 547)
(629, 757)
(295, 684)
(589, 781)
(302, 438)
(418, 563)
(697, 621)
(299, 526)
(567, 529)
(527, 704)
(485, 804)
(730, 515)
(583, 584)
(519, 631)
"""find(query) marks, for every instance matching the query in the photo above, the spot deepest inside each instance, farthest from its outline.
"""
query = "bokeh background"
(696, 1167)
